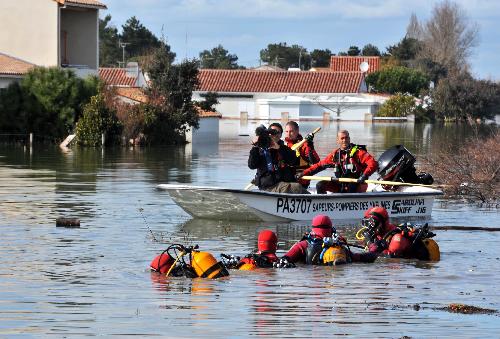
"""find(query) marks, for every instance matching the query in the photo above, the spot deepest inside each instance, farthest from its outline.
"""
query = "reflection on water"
(94, 280)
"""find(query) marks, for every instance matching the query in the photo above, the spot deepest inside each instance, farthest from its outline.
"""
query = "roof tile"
(351, 63)
(83, 3)
(13, 66)
(245, 81)
(117, 77)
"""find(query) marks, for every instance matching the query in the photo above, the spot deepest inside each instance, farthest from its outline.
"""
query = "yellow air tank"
(247, 267)
(432, 249)
(334, 255)
(206, 266)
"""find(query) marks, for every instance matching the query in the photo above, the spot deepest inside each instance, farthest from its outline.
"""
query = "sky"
(244, 27)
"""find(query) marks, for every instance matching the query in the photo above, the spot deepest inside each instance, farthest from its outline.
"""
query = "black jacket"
(281, 159)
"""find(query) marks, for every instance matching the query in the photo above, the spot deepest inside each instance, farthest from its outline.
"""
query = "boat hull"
(234, 204)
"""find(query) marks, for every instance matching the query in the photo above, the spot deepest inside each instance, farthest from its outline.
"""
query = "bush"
(53, 100)
(398, 79)
(472, 172)
(464, 98)
(97, 119)
(399, 105)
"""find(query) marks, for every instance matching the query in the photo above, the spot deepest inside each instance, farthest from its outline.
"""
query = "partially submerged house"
(338, 93)
(60, 33)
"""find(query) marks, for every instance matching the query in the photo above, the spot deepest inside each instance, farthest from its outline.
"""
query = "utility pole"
(123, 45)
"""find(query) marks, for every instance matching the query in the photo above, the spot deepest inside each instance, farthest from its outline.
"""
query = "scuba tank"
(206, 266)
(333, 252)
(247, 267)
(334, 255)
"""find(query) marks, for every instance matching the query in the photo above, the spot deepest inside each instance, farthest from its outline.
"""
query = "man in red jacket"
(306, 153)
(347, 161)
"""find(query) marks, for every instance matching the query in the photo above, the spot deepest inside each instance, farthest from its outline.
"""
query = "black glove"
(361, 179)
(230, 261)
(299, 176)
(381, 245)
(309, 137)
(283, 263)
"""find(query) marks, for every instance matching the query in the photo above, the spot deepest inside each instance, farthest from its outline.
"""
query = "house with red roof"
(12, 69)
(61, 33)
(289, 95)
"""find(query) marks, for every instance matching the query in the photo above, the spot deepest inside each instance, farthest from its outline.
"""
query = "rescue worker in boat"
(322, 246)
(347, 161)
(403, 241)
(277, 137)
(274, 163)
(306, 153)
(200, 265)
(264, 257)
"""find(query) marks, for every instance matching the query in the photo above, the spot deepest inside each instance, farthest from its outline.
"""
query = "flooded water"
(94, 280)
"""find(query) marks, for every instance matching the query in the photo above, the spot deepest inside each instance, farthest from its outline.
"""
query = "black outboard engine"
(397, 164)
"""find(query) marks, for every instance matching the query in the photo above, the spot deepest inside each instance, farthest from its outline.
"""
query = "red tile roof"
(247, 81)
(83, 3)
(13, 66)
(117, 77)
(133, 93)
(351, 63)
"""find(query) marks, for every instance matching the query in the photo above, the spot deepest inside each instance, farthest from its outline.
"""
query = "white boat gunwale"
(166, 187)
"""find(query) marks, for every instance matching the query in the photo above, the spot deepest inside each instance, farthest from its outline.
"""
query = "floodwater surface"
(94, 280)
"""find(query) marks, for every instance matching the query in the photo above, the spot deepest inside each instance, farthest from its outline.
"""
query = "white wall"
(207, 133)
(30, 30)
(265, 106)
(6, 81)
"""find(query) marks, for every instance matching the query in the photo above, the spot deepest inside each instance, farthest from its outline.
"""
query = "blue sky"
(244, 27)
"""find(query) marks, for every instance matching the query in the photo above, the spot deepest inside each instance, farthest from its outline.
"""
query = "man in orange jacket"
(347, 161)
(306, 153)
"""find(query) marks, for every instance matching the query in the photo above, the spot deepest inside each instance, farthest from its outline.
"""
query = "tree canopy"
(398, 79)
(321, 57)
(109, 49)
(218, 58)
(285, 56)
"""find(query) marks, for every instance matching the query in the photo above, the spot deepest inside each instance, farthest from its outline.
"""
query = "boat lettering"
(293, 205)
(405, 206)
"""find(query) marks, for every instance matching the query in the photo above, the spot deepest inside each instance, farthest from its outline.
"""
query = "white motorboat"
(239, 204)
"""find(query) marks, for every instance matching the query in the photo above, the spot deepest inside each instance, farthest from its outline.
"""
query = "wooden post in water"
(67, 222)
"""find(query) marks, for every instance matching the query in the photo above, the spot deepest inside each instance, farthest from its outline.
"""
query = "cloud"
(266, 9)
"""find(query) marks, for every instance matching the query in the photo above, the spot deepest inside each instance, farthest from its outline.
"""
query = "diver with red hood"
(322, 246)
(402, 241)
(264, 257)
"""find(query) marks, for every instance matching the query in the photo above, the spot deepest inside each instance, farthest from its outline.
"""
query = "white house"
(62, 33)
(298, 95)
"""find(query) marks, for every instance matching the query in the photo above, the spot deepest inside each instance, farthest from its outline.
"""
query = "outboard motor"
(397, 164)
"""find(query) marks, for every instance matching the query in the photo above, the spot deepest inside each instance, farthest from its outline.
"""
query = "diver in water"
(265, 256)
(322, 246)
(402, 241)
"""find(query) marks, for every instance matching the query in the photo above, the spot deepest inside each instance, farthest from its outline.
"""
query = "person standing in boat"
(322, 246)
(306, 153)
(347, 161)
(403, 241)
(274, 163)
